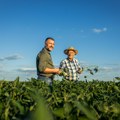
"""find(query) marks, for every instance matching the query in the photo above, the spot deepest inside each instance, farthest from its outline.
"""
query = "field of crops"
(35, 100)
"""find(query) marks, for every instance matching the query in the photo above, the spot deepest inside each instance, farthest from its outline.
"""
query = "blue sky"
(91, 26)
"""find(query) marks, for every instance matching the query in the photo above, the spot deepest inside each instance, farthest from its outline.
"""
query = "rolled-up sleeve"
(41, 63)
(44, 61)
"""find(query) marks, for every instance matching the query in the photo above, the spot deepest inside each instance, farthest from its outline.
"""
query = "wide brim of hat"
(66, 51)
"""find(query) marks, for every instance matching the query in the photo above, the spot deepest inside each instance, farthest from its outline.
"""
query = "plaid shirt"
(71, 68)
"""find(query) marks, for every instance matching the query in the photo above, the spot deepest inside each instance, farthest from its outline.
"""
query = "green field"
(65, 100)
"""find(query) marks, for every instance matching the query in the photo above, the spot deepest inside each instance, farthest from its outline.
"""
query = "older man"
(70, 65)
(44, 63)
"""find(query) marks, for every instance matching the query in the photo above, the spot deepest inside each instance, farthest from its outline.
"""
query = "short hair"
(49, 38)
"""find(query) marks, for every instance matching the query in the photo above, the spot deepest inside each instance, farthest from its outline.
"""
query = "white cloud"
(11, 57)
(106, 68)
(26, 69)
(82, 62)
(110, 69)
(1, 59)
(1, 71)
(97, 30)
(1, 66)
(24, 73)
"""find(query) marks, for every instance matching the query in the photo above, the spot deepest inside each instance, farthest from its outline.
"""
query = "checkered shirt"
(71, 68)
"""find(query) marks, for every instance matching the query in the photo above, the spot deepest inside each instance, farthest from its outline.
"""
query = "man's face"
(71, 54)
(49, 44)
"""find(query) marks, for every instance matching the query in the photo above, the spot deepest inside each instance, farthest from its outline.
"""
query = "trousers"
(46, 79)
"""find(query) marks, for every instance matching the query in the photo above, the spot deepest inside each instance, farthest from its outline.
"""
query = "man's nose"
(52, 45)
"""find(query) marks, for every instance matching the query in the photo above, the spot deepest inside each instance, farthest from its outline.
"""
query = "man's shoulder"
(42, 52)
(75, 60)
(64, 60)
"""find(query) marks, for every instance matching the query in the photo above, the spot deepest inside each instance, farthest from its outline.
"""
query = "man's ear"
(45, 43)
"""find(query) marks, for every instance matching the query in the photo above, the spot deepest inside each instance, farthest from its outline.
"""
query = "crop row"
(65, 100)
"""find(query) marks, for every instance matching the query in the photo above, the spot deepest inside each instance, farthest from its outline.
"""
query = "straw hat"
(71, 48)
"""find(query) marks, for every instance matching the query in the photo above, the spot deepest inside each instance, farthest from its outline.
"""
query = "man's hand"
(80, 70)
(63, 73)
(57, 71)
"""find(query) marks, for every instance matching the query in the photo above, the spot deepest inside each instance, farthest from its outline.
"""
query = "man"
(44, 63)
(70, 65)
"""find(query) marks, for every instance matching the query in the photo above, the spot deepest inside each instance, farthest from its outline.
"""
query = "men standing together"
(45, 66)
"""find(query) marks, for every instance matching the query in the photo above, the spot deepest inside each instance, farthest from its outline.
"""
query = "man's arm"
(52, 70)
(80, 69)
(43, 66)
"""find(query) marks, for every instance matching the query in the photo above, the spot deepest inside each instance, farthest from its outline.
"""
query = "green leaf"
(19, 106)
(86, 110)
(42, 112)
(59, 112)
(7, 113)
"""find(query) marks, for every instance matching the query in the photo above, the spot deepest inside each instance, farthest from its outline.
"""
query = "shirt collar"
(46, 50)
(70, 61)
